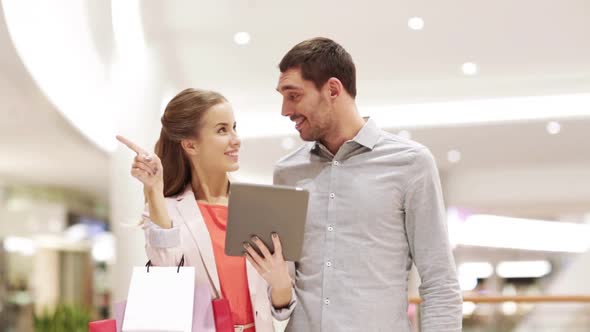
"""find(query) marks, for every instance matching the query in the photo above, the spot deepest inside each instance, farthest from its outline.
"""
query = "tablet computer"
(260, 210)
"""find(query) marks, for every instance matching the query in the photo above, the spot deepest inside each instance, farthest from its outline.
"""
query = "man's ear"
(335, 87)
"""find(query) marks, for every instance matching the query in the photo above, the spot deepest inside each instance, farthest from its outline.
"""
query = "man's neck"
(346, 127)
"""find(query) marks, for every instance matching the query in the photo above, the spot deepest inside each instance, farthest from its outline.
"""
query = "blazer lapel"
(189, 211)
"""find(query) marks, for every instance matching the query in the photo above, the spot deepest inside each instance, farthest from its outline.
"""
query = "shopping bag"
(222, 313)
(107, 325)
(120, 314)
(201, 310)
(160, 299)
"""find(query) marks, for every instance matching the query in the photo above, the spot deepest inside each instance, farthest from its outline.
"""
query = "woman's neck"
(212, 188)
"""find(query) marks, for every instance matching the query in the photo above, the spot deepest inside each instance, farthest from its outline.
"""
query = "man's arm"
(426, 227)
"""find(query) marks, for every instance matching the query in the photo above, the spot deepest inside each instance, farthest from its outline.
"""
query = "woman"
(186, 186)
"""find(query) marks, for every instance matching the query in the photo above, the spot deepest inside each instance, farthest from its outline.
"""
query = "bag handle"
(149, 263)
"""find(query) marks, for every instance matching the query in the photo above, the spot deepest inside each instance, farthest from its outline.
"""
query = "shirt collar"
(368, 136)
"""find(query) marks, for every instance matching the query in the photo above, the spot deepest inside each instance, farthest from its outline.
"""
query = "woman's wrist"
(154, 192)
(281, 297)
(157, 206)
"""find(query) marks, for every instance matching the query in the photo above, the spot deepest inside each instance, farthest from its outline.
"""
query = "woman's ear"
(190, 147)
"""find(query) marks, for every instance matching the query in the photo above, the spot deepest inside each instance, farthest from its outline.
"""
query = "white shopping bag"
(160, 299)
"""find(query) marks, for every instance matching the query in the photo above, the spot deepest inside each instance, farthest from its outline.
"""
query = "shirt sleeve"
(162, 246)
(283, 314)
(426, 228)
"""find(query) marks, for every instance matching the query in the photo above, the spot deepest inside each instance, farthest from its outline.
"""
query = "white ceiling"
(37, 145)
(523, 48)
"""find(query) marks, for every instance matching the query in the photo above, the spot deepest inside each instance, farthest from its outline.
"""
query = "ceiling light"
(429, 115)
(515, 233)
(469, 68)
(242, 38)
(523, 269)
(479, 270)
(416, 23)
(454, 156)
(20, 245)
(553, 127)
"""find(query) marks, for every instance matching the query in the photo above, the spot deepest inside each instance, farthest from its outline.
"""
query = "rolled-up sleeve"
(282, 316)
(426, 227)
(162, 246)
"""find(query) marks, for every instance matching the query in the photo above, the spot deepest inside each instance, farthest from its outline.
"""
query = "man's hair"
(319, 59)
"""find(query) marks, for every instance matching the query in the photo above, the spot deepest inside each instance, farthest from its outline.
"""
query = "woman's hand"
(146, 167)
(272, 268)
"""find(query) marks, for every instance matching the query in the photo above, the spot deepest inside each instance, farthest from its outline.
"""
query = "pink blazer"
(189, 236)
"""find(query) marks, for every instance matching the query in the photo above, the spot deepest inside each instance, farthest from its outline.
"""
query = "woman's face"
(218, 144)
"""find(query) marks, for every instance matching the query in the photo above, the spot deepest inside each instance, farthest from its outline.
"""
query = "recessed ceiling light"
(454, 156)
(469, 68)
(553, 127)
(242, 38)
(416, 23)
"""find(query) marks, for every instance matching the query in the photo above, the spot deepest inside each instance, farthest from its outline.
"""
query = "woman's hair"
(182, 119)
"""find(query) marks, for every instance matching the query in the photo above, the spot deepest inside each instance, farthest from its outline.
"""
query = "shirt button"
(336, 163)
(330, 228)
(328, 263)
(327, 301)
(332, 195)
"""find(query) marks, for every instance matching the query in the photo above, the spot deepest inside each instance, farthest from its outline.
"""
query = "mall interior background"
(499, 91)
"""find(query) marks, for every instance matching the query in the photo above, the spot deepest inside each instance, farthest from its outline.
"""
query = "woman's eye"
(221, 130)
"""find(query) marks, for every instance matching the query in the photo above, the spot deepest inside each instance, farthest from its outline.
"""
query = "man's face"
(308, 107)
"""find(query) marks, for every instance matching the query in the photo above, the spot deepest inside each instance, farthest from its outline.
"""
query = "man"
(375, 207)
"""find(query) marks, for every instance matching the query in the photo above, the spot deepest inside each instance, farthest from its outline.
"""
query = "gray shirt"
(375, 207)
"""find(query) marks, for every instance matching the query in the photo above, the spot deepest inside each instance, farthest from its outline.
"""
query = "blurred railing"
(544, 313)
